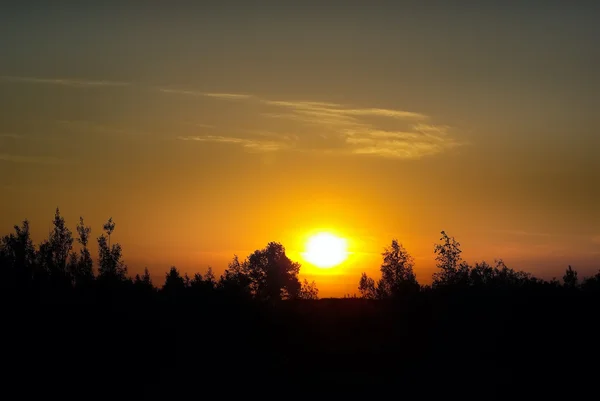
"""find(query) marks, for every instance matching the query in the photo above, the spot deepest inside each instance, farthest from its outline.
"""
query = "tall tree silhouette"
(397, 275)
(82, 268)
(109, 227)
(110, 265)
(60, 244)
(448, 260)
(54, 253)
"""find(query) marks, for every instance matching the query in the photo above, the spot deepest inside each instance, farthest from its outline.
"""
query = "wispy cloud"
(431, 129)
(380, 113)
(397, 149)
(30, 159)
(303, 105)
(316, 118)
(324, 109)
(357, 128)
(275, 135)
(225, 96)
(257, 145)
(228, 96)
(409, 144)
(180, 92)
(62, 81)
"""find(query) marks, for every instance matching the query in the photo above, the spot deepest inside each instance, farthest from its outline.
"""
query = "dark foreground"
(218, 347)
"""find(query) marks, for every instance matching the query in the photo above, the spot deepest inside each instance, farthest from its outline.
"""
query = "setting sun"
(325, 250)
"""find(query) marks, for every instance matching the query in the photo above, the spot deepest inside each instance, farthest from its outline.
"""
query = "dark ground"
(427, 344)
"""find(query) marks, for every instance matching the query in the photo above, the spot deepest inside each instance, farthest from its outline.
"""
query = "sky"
(209, 129)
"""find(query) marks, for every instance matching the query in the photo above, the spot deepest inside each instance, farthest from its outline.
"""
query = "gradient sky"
(210, 129)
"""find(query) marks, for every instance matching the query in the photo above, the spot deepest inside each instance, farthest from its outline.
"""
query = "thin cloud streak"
(180, 92)
(338, 109)
(317, 119)
(399, 114)
(62, 81)
(228, 96)
(300, 104)
(276, 135)
(248, 144)
(225, 96)
(399, 149)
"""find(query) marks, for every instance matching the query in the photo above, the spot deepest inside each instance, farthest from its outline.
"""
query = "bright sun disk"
(325, 250)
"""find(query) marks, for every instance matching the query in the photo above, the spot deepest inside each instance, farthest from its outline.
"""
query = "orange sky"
(209, 132)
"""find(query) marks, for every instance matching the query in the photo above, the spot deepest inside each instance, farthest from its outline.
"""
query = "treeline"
(454, 274)
(55, 268)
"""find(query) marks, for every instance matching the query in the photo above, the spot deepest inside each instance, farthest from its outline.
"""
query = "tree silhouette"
(82, 266)
(203, 285)
(174, 284)
(18, 257)
(497, 277)
(110, 265)
(448, 260)
(209, 278)
(273, 276)
(235, 281)
(397, 275)
(591, 284)
(570, 278)
(308, 291)
(366, 287)
(59, 247)
(197, 281)
(109, 227)
(144, 282)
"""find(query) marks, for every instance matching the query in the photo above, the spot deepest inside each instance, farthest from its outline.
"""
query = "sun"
(325, 250)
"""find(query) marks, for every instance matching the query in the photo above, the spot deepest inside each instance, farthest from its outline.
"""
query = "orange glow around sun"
(325, 250)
